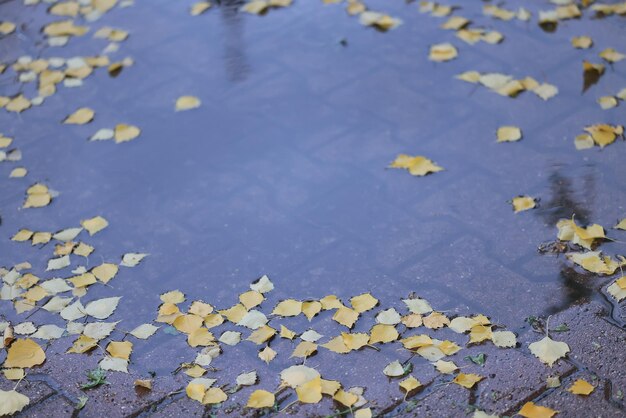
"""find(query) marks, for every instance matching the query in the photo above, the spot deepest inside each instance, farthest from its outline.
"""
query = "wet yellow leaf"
(213, 320)
(412, 320)
(6, 27)
(105, 272)
(607, 102)
(356, 340)
(187, 103)
(363, 303)
(262, 334)
(448, 347)
(173, 296)
(381, 333)
(508, 134)
(311, 391)
(417, 166)
(261, 399)
(530, 410)
(346, 316)
(200, 337)
(12, 401)
(445, 367)
(200, 308)
(330, 302)
(18, 172)
(289, 307)
(195, 371)
(345, 398)
(416, 341)
(64, 28)
(442, 52)
(617, 289)
(394, 369)
(83, 250)
(581, 387)
(267, 354)
(287, 333)
(611, 55)
(14, 374)
(187, 323)
(409, 384)
(330, 387)
(467, 380)
(37, 196)
(304, 349)
(125, 133)
(235, 313)
(22, 235)
(378, 20)
(251, 298)
(582, 42)
(199, 8)
(94, 225)
(83, 344)
(24, 353)
(311, 308)
(80, 117)
(480, 333)
(120, 349)
(143, 383)
(18, 104)
(435, 320)
(195, 391)
(337, 345)
(213, 396)
(549, 351)
(522, 203)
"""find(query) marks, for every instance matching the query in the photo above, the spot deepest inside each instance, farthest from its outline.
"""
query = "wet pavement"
(282, 171)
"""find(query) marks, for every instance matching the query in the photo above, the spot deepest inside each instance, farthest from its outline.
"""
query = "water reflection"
(234, 52)
(576, 288)
(563, 202)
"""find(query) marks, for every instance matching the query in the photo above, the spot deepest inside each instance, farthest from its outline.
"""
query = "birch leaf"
(80, 117)
(102, 308)
(548, 351)
(12, 401)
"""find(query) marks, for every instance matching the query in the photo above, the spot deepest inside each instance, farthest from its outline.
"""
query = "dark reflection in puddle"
(591, 76)
(563, 203)
(576, 288)
(234, 55)
(549, 27)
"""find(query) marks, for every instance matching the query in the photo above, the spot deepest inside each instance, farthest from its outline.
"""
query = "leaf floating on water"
(508, 134)
(417, 165)
(124, 133)
(199, 8)
(582, 42)
(94, 225)
(522, 203)
(80, 117)
(530, 410)
(132, 259)
(611, 55)
(549, 351)
(378, 20)
(442, 52)
(187, 103)
(591, 74)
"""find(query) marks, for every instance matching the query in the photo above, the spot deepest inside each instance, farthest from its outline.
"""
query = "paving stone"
(35, 390)
(52, 407)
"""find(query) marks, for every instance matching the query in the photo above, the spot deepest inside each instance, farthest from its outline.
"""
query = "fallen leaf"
(311, 391)
(522, 203)
(124, 133)
(611, 55)
(102, 308)
(187, 103)
(24, 353)
(394, 369)
(467, 380)
(261, 399)
(12, 401)
(246, 379)
(548, 351)
(582, 42)
(94, 225)
(530, 410)
(442, 52)
(409, 384)
(417, 165)
(132, 259)
(508, 134)
(80, 117)
(581, 387)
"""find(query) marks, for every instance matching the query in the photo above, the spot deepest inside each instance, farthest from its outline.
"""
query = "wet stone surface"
(283, 171)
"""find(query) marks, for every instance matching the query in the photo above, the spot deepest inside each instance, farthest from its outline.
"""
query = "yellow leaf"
(381, 333)
(213, 320)
(261, 399)
(363, 302)
(83, 344)
(409, 384)
(22, 235)
(355, 341)
(120, 349)
(24, 353)
(195, 391)
(80, 117)
(195, 371)
(621, 225)
(188, 323)
(200, 308)
(480, 333)
(417, 166)
(467, 380)
(617, 289)
(581, 387)
(5, 29)
(267, 354)
(174, 296)
(251, 298)
(199, 8)
(14, 374)
(337, 345)
(522, 203)
(435, 320)
(144, 383)
(379, 20)
(289, 307)
(416, 341)
(311, 308)
(330, 302)
(445, 367)
(124, 133)
(200, 337)
(105, 272)
(287, 333)
(12, 401)
(304, 349)
(311, 391)
(235, 313)
(345, 398)
(530, 410)
(504, 339)
(94, 225)
(330, 387)
(18, 104)
(187, 103)
(394, 369)
(611, 55)
(37, 196)
(582, 42)
(448, 347)
(442, 52)
(548, 351)
(412, 320)
(509, 134)
(213, 396)
(261, 334)
(346, 316)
